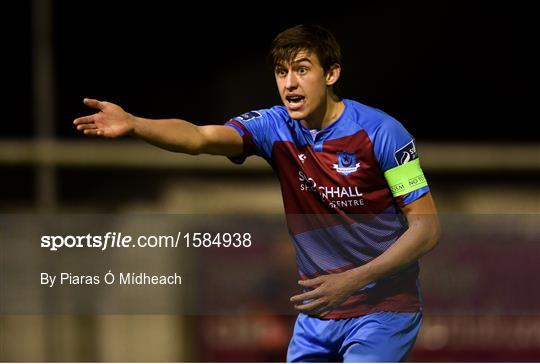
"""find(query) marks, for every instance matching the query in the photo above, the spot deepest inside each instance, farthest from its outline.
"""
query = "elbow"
(194, 146)
(428, 231)
(433, 236)
(198, 144)
(432, 242)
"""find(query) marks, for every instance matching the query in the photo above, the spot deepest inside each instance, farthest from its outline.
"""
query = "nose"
(291, 82)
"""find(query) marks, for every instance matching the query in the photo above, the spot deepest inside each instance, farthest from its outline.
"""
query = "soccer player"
(358, 206)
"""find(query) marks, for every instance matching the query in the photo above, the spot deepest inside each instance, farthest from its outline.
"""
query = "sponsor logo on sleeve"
(406, 153)
(249, 115)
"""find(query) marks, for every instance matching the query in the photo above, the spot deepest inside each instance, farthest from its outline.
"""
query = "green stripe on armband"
(405, 178)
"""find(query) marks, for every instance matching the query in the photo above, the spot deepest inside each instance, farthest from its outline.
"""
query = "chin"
(297, 114)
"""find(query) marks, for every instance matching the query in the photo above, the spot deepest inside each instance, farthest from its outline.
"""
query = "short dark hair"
(305, 37)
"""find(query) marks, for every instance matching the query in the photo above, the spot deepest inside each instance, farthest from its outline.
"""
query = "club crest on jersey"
(249, 115)
(346, 163)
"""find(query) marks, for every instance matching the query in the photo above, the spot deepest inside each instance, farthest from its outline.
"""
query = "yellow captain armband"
(405, 178)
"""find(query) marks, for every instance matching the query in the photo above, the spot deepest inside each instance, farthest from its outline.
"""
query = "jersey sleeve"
(253, 127)
(395, 149)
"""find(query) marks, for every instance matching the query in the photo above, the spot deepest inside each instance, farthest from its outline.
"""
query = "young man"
(357, 204)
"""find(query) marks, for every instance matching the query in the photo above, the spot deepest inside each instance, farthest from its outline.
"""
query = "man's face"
(302, 85)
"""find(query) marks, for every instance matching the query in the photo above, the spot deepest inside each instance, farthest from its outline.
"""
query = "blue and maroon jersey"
(340, 210)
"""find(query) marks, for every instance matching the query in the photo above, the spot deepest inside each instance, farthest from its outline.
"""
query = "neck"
(326, 114)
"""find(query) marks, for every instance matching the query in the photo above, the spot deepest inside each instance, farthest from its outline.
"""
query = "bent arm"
(329, 291)
(420, 238)
(176, 135)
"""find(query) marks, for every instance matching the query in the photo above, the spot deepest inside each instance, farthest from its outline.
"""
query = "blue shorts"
(378, 337)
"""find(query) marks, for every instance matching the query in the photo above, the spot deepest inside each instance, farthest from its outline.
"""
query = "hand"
(110, 122)
(329, 292)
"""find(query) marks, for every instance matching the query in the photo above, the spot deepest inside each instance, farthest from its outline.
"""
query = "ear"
(332, 76)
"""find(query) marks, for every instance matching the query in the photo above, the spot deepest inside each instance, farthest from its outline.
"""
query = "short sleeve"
(253, 127)
(394, 146)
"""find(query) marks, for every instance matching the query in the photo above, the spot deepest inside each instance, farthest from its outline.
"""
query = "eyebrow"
(305, 59)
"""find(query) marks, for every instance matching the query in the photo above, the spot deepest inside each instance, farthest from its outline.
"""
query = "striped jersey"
(339, 208)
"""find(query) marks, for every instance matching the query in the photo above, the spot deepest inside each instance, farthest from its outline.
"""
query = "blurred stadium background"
(459, 76)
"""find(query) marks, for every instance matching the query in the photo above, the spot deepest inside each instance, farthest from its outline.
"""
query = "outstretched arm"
(329, 291)
(111, 121)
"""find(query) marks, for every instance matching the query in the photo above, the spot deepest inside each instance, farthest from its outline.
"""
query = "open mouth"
(295, 99)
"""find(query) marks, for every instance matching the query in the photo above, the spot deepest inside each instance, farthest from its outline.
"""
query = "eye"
(302, 70)
(281, 72)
